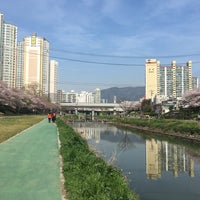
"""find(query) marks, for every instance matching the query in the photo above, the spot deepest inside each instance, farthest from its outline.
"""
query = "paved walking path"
(29, 165)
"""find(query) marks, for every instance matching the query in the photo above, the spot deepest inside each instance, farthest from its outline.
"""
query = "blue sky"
(121, 33)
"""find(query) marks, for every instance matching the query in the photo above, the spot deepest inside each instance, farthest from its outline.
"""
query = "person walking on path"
(30, 165)
(53, 117)
(49, 116)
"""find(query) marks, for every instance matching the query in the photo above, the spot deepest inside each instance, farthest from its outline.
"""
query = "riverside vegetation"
(87, 176)
(188, 129)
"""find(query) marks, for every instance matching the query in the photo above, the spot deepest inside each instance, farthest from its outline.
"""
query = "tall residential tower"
(8, 45)
(53, 79)
(1, 45)
(26, 64)
(152, 78)
(36, 64)
(20, 65)
(35, 71)
(168, 81)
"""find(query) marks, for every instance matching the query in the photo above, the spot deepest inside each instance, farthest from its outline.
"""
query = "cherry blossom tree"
(192, 98)
(129, 106)
(19, 101)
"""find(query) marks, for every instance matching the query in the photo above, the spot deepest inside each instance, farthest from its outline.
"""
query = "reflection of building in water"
(89, 131)
(93, 130)
(92, 133)
(153, 169)
(162, 156)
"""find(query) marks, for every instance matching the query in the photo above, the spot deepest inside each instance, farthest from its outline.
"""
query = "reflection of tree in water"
(113, 158)
(122, 146)
(194, 153)
(125, 143)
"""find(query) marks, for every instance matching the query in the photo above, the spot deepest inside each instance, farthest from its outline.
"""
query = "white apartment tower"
(1, 45)
(53, 78)
(85, 97)
(36, 64)
(71, 97)
(97, 96)
(8, 45)
(20, 65)
(168, 81)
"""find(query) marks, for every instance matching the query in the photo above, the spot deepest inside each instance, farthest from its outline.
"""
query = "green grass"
(167, 125)
(87, 176)
(11, 126)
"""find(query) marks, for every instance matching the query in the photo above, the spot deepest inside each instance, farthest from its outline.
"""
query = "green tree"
(146, 106)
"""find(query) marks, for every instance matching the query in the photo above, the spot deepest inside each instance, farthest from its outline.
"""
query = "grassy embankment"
(180, 128)
(11, 126)
(88, 176)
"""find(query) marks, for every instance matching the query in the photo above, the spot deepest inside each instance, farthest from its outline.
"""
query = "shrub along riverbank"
(186, 129)
(87, 176)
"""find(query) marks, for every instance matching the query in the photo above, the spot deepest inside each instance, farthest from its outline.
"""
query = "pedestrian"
(53, 117)
(49, 116)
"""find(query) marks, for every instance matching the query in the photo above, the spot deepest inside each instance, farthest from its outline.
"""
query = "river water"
(155, 168)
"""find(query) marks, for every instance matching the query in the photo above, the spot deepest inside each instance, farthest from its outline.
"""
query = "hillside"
(123, 94)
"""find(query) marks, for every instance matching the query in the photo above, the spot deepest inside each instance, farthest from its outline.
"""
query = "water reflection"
(94, 131)
(155, 168)
(162, 156)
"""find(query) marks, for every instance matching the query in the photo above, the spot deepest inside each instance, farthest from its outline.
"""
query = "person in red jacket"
(53, 117)
(49, 116)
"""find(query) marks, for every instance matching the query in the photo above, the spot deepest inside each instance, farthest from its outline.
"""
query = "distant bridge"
(91, 107)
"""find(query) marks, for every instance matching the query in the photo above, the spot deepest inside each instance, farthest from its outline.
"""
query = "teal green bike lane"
(30, 165)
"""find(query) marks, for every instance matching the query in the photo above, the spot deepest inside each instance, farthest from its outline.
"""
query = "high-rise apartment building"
(97, 96)
(85, 97)
(59, 96)
(8, 44)
(1, 45)
(35, 71)
(26, 63)
(53, 78)
(152, 78)
(36, 64)
(168, 81)
(20, 65)
(195, 82)
(71, 97)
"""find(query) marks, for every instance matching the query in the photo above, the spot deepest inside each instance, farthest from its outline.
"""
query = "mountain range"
(122, 94)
